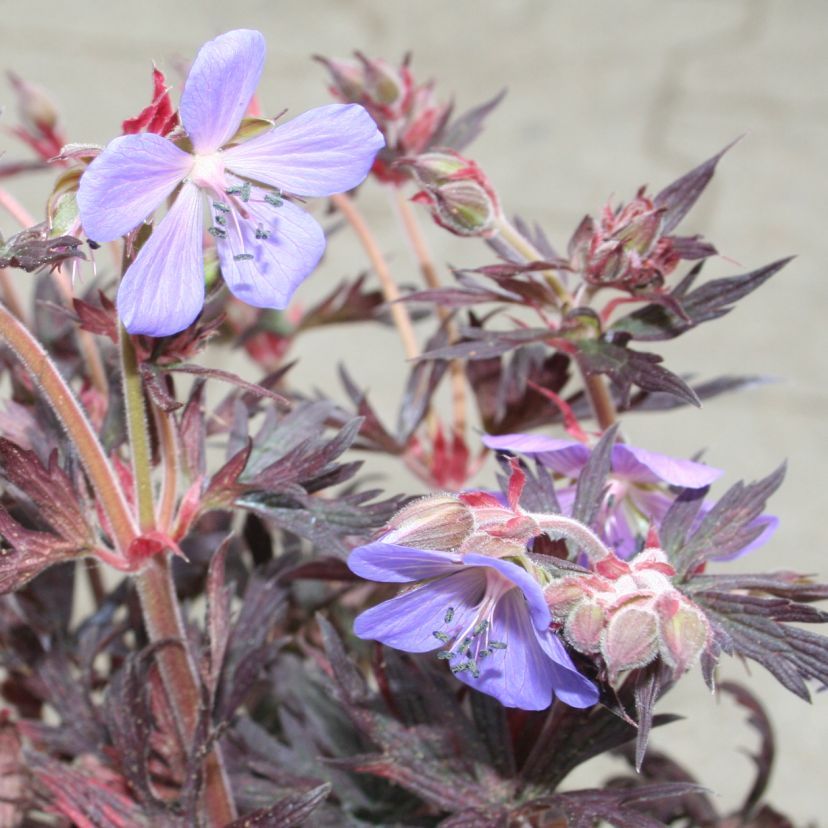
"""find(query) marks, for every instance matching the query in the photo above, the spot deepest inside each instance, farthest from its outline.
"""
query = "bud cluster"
(625, 249)
(630, 613)
(408, 114)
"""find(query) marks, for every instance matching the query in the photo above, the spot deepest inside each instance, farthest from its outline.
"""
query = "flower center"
(472, 643)
(208, 172)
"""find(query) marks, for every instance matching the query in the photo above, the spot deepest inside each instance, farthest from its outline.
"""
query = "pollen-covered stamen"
(471, 643)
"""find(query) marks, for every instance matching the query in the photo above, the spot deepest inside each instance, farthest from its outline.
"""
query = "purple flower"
(266, 244)
(637, 494)
(487, 616)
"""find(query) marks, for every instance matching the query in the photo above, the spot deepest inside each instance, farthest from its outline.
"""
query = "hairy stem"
(164, 623)
(169, 458)
(159, 603)
(73, 419)
(560, 526)
(399, 313)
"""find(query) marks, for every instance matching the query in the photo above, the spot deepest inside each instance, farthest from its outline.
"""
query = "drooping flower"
(638, 493)
(486, 616)
(266, 244)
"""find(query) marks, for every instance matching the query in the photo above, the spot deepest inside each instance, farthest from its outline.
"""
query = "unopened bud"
(630, 640)
(685, 632)
(35, 107)
(440, 522)
(584, 626)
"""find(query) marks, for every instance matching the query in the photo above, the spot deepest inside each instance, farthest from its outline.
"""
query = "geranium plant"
(265, 640)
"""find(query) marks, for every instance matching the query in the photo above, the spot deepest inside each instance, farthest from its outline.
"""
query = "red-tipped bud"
(457, 192)
(439, 522)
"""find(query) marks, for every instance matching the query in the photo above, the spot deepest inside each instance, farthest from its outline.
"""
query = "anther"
(243, 257)
(274, 200)
(440, 636)
(217, 232)
(242, 191)
(449, 615)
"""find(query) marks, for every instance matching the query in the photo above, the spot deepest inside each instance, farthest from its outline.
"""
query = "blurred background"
(602, 98)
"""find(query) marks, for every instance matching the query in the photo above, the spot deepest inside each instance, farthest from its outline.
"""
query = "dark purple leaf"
(654, 401)
(677, 198)
(32, 249)
(50, 490)
(712, 300)
(479, 343)
(218, 594)
(591, 486)
(289, 812)
(621, 808)
(751, 626)
(98, 319)
(627, 368)
(729, 526)
(463, 129)
(347, 302)
(229, 377)
(764, 758)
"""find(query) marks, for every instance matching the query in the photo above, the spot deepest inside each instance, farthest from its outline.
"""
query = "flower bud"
(584, 626)
(630, 639)
(438, 522)
(35, 107)
(684, 632)
(457, 192)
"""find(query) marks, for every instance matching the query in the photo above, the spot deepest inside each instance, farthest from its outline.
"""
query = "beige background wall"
(602, 97)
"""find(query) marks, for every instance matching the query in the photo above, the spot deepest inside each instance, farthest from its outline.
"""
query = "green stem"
(139, 443)
(510, 235)
(159, 603)
(43, 371)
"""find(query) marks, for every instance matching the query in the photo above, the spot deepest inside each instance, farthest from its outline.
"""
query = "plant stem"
(595, 386)
(399, 313)
(456, 371)
(600, 400)
(73, 419)
(169, 458)
(159, 604)
(510, 235)
(579, 533)
(139, 443)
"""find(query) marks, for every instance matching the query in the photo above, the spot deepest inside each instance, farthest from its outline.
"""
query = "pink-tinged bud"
(439, 522)
(457, 192)
(685, 632)
(584, 626)
(564, 595)
(630, 639)
(384, 84)
(36, 109)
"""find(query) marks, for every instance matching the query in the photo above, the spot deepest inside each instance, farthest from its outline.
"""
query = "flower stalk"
(390, 291)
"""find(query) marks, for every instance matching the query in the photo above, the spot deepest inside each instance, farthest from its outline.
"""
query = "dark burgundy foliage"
(261, 490)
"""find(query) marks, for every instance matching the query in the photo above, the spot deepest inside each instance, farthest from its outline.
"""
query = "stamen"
(243, 257)
(445, 655)
(497, 645)
(220, 219)
(274, 200)
(449, 615)
(217, 232)
(261, 233)
(221, 206)
(242, 191)
(441, 636)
